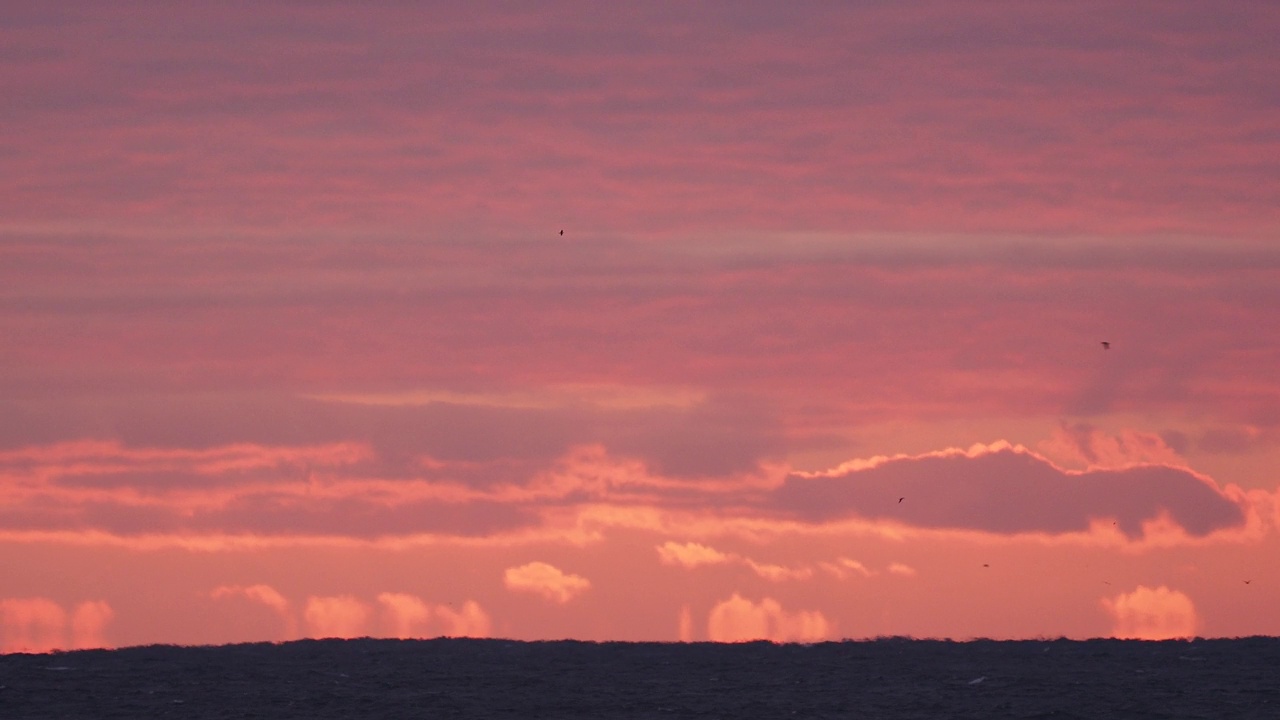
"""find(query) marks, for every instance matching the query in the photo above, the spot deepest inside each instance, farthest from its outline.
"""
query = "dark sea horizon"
(893, 677)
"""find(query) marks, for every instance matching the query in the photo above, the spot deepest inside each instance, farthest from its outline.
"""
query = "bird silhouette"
(562, 232)
(1105, 345)
(900, 500)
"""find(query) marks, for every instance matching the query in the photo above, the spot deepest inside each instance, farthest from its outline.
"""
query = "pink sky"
(291, 345)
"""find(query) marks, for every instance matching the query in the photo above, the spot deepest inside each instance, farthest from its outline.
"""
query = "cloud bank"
(337, 492)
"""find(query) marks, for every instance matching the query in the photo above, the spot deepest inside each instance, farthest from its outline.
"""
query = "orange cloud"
(842, 567)
(593, 471)
(99, 457)
(861, 464)
(1147, 614)
(778, 573)
(402, 615)
(32, 625)
(690, 555)
(740, 620)
(684, 624)
(1084, 445)
(251, 495)
(89, 623)
(266, 595)
(405, 615)
(41, 625)
(470, 621)
(545, 580)
(902, 569)
(341, 616)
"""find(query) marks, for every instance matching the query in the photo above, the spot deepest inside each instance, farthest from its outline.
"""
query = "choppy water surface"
(445, 678)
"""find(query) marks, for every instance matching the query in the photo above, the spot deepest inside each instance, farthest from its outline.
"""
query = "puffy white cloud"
(34, 624)
(89, 623)
(470, 621)
(690, 554)
(1152, 614)
(401, 615)
(264, 595)
(684, 624)
(778, 573)
(39, 625)
(1084, 445)
(545, 580)
(843, 567)
(341, 616)
(740, 620)
(902, 569)
(405, 615)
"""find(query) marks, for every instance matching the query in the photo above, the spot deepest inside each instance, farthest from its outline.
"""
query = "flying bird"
(1105, 345)
(562, 232)
(900, 500)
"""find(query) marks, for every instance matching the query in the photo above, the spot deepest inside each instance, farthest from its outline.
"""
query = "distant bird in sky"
(1105, 345)
(900, 500)
(1246, 582)
(561, 232)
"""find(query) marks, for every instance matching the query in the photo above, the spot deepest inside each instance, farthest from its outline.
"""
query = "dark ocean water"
(447, 678)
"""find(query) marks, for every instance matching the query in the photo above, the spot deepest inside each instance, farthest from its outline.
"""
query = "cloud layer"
(339, 491)
(1092, 117)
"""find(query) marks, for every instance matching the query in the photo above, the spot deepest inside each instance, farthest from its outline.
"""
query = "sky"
(292, 344)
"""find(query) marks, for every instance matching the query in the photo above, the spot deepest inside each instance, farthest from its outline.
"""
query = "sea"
(470, 678)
